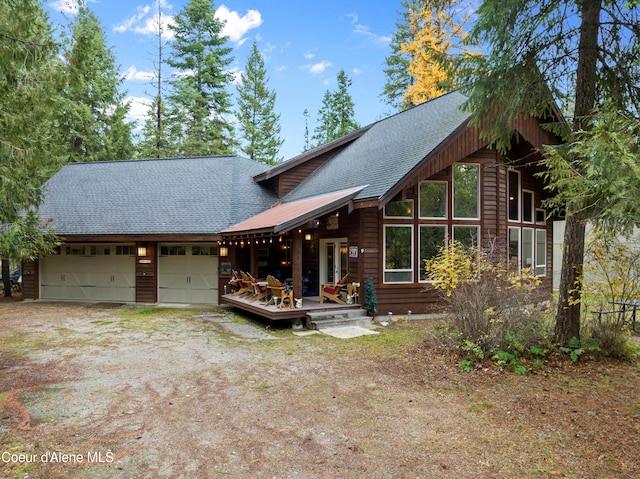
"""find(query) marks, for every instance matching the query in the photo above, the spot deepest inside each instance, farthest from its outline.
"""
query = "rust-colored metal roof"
(287, 216)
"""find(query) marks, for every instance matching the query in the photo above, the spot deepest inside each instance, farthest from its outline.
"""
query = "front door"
(333, 259)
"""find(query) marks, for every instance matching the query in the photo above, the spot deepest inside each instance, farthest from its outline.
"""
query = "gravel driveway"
(97, 391)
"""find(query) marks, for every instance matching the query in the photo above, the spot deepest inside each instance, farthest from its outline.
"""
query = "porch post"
(296, 263)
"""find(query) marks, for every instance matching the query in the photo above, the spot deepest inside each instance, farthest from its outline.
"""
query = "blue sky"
(305, 45)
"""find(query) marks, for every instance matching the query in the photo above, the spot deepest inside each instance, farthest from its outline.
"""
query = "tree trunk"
(6, 280)
(568, 315)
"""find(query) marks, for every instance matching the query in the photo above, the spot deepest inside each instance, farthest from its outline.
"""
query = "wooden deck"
(309, 304)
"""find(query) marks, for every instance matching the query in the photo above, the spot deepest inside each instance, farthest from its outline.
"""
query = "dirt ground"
(98, 391)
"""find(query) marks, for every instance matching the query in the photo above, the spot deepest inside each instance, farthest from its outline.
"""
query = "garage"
(188, 273)
(89, 273)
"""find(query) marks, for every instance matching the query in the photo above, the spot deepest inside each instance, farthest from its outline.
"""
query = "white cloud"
(146, 19)
(309, 55)
(357, 71)
(138, 109)
(353, 17)
(319, 67)
(374, 38)
(237, 76)
(236, 26)
(132, 73)
(67, 7)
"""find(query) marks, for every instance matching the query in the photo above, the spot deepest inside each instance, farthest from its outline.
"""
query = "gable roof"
(387, 150)
(199, 195)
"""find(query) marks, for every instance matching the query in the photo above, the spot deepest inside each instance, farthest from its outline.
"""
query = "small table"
(633, 305)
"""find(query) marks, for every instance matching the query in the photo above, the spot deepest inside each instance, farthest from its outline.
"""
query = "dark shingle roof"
(388, 150)
(164, 196)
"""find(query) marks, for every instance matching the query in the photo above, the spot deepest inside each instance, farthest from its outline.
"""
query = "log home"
(377, 203)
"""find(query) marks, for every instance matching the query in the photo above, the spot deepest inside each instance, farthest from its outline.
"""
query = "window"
(541, 216)
(514, 249)
(398, 254)
(75, 251)
(126, 250)
(514, 195)
(541, 252)
(433, 199)
(527, 206)
(468, 236)
(432, 239)
(527, 248)
(173, 250)
(197, 250)
(399, 209)
(466, 191)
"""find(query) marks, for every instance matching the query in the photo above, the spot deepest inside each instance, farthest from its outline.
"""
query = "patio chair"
(244, 287)
(275, 289)
(332, 291)
(259, 288)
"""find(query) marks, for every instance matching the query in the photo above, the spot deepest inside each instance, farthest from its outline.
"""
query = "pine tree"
(154, 141)
(336, 117)
(30, 87)
(582, 53)
(95, 125)
(199, 104)
(397, 63)
(259, 123)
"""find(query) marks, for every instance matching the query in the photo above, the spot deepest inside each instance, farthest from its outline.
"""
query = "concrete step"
(337, 317)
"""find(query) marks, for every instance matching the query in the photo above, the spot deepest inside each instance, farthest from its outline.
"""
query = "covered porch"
(292, 242)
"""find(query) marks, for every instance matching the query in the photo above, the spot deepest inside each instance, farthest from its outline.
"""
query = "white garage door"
(89, 273)
(188, 274)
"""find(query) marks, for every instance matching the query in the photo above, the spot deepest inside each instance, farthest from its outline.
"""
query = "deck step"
(337, 317)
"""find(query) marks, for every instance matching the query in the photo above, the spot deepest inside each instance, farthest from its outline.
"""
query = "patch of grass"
(479, 406)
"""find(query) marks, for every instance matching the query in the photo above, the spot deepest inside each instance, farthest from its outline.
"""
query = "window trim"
(537, 263)
(533, 207)
(384, 210)
(516, 198)
(453, 193)
(446, 200)
(419, 246)
(476, 226)
(384, 255)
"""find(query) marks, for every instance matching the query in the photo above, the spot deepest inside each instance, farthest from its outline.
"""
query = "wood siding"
(147, 275)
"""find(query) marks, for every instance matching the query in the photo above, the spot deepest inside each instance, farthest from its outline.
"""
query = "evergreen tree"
(336, 117)
(397, 63)
(583, 53)
(199, 104)
(154, 142)
(259, 124)
(94, 124)
(30, 87)
(307, 144)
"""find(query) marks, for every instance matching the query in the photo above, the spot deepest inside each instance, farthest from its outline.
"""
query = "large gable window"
(432, 240)
(466, 191)
(433, 200)
(399, 209)
(398, 254)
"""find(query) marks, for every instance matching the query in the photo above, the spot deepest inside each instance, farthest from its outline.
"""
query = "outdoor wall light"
(224, 251)
(307, 237)
(142, 251)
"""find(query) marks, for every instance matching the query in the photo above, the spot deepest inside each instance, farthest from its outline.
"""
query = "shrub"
(492, 308)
